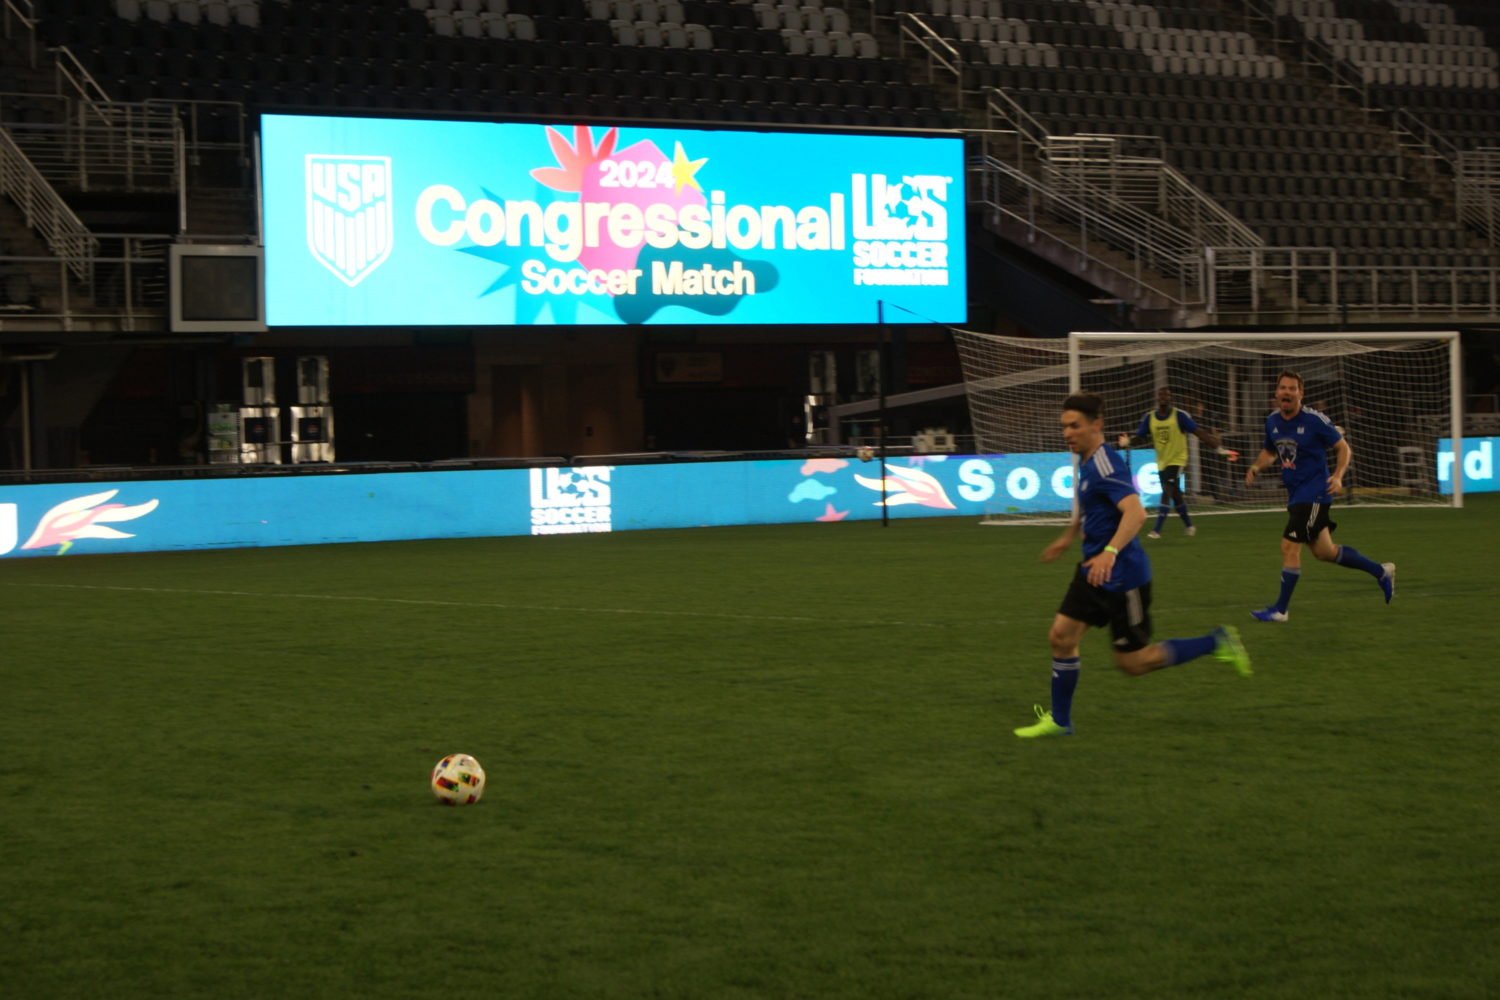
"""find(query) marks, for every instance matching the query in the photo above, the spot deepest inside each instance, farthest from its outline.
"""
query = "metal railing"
(938, 51)
(1044, 214)
(18, 18)
(1118, 190)
(1132, 170)
(134, 152)
(45, 211)
(1478, 191)
(129, 284)
(1412, 133)
(1312, 281)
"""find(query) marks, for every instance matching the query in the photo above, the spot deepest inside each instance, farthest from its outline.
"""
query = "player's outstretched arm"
(1262, 462)
(1212, 439)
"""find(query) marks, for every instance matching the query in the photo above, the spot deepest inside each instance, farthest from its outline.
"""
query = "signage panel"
(401, 222)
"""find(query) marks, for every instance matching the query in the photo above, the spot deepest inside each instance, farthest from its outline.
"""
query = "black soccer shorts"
(1126, 612)
(1306, 521)
(1171, 482)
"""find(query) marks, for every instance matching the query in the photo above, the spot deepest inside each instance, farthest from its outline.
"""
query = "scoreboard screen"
(400, 222)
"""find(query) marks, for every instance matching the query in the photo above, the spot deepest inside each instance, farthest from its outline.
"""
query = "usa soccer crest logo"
(349, 220)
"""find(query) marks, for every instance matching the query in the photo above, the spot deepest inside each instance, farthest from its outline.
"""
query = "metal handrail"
(940, 52)
(77, 77)
(1003, 108)
(1478, 191)
(135, 155)
(1146, 180)
(1433, 143)
(1313, 280)
(26, 17)
(1032, 196)
(45, 211)
(1316, 51)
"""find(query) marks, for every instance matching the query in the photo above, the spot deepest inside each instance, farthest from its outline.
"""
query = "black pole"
(885, 511)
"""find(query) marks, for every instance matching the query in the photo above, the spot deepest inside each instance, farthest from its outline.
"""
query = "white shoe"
(1153, 534)
(1190, 530)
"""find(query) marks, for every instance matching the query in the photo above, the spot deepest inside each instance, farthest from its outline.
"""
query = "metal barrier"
(940, 54)
(1312, 282)
(1478, 191)
(1046, 214)
(45, 211)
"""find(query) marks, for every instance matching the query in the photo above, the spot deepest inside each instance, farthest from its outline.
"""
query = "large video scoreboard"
(399, 222)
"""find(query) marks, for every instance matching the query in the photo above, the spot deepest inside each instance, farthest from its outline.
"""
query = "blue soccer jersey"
(1103, 481)
(1301, 446)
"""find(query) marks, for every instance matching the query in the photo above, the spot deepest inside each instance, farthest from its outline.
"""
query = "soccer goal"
(1396, 396)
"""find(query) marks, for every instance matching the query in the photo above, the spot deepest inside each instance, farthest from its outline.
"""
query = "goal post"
(1396, 396)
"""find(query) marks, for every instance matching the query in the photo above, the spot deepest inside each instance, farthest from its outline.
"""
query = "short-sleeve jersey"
(1168, 434)
(1103, 481)
(1301, 446)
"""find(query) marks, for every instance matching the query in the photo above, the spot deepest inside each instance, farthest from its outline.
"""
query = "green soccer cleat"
(1044, 726)
(1231, 651)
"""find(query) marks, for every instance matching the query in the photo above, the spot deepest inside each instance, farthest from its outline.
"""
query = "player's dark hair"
(1087, 403)
(1291, 375)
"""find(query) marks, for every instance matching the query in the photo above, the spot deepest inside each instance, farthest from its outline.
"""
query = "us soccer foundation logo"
(349, 220)
(571, 501)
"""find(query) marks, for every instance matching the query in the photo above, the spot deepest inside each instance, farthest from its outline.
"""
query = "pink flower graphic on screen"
(815, 465)
(84, 517)
(574, 162)
(640, 175)
(830, 513)
(908, 486)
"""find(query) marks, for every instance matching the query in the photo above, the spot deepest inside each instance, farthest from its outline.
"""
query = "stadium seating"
(1282, 150)
(785, 63)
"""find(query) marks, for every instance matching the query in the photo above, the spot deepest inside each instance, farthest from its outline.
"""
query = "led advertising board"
(401, 222)
(144, 516)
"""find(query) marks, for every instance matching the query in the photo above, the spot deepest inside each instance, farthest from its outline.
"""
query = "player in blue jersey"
(1299, 440)
(1112, 585)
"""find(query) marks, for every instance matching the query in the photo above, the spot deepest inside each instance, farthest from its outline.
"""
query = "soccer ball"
(865, 453)
(458, 780)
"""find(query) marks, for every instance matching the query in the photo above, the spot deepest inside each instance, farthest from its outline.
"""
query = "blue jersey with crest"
(1103, 481)
(1301, 446)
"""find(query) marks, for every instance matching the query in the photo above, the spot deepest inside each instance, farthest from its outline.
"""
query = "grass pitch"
(748, 762)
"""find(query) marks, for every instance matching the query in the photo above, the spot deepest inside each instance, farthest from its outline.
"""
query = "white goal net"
(1393, 395)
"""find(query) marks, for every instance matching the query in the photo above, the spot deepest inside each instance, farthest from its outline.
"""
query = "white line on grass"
(424, 602)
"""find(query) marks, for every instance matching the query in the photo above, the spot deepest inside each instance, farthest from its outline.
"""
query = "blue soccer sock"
(1349, 556)
(1179, 651)
(1289, 578)
(1183, 513)
(1064, 680)
(1161, 517)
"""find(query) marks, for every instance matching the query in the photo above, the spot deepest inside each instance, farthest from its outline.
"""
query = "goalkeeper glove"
(1228, 453)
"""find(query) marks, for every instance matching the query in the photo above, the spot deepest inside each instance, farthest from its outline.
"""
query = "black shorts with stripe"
(1126, 612)
(1306, 521)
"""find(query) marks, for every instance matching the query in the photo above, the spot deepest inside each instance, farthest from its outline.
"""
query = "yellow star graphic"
(683, 169)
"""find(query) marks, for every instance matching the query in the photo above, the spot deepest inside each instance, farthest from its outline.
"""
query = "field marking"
(494, 606)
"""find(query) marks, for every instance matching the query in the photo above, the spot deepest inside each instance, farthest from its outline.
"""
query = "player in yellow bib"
(1168, 428)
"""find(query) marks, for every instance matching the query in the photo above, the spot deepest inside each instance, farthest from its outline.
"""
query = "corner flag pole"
(885, 511)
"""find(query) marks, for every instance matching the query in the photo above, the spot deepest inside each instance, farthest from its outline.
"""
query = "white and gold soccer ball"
(458, 780)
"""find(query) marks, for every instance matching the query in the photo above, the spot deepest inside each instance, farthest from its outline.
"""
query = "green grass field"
(768, 761)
